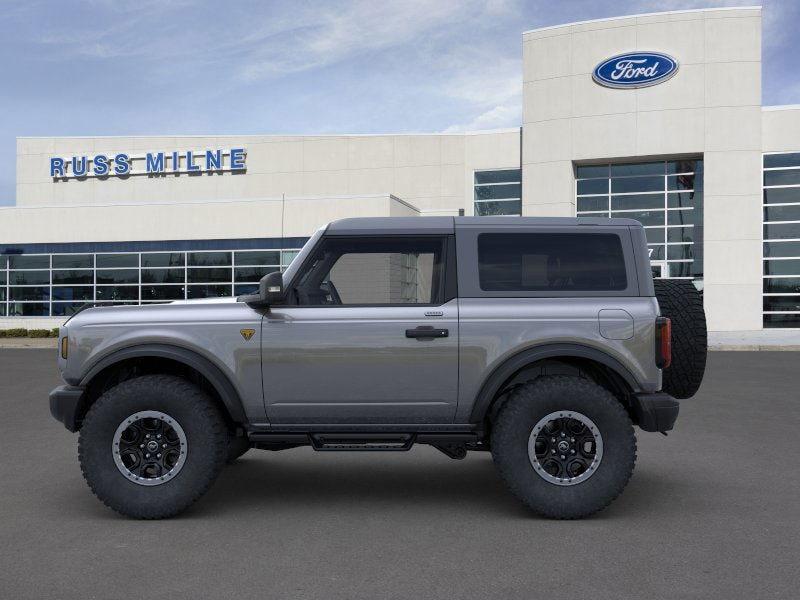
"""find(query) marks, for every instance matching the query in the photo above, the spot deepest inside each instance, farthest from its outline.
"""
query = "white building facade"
(689, 151)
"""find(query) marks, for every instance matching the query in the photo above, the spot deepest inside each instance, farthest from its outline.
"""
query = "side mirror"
(270, 291)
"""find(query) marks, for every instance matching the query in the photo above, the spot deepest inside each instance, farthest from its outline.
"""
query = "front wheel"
(565, 446)
(151, 446)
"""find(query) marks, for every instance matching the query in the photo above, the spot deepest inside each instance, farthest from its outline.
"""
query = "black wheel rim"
(149, 448)
(565, 448)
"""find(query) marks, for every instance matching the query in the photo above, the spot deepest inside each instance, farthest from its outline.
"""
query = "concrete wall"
(780, 130)
(712, 106)
(432, 172)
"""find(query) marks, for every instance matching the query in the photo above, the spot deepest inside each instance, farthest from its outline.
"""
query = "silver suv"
(539, 340)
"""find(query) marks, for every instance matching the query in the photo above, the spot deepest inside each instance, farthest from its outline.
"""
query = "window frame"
(468, 268)
(446, 287)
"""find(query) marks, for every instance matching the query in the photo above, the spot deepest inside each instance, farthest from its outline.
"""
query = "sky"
(172, 67)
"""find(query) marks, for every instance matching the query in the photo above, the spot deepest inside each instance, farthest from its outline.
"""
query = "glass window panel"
(782, 267)
(28, 309)
(118, 276)
(593, 203)
(112, 261)
(208, 275)
(118, 292)
(777, 321)
(782, 231)
(29, 293)
(680, 234)
(25, 261)
(258, 257)
(586, 171)
(163, 259)
(241, 289)
(498, 207)
(637, 184)
(29, 277)
(777, 285)
(65, 309)
(495, 192)
(655, 235)
(209, 259)
(780, 249)
(163, 275)
(2, 277)
(642, 201)
(782, 213)
(648, 168)
(3, 262)
(684, 199)
(656, 252)
(593, 186)
(288, 257)
(682, 217)
(501, 176)
(2, 310)
(683, 182)
(73, 277)
(551, 262)
(679, 269)
(791, 159)
(788, 177)
(782, 195)
(73, 261)
(650, 217)
(2, 294)
(162, 292)
(789, 303)
(680, 252)
(252, 274)
(73, 293)
(209, 291)
(684, 166)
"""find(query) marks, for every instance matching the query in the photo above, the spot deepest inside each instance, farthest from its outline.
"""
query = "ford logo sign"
(635, 70)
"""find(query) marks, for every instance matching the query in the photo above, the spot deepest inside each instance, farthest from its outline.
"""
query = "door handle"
(426, 332)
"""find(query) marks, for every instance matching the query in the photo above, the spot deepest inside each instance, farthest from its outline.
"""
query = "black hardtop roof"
(444, 225)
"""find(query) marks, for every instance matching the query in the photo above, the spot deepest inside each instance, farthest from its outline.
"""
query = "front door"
(370, 336)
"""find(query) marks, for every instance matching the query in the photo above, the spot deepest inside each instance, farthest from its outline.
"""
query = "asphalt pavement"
(712, 511)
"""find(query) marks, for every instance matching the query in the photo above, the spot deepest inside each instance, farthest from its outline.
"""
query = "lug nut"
(147, 455)
(552, 439)
(163, 445)
(147, 436)
(141, 445)
(553, 451)
(572, 451)
(158, 455)
(571, 439)
(563, 434)
(159, 437)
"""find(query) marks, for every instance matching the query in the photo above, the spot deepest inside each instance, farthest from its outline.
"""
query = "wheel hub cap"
(565, 448)
(149, 448)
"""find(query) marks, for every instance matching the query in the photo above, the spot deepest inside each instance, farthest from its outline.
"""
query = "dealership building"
(654, 117)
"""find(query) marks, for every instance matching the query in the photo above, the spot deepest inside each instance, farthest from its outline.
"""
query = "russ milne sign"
(152, 163)
(635, 70)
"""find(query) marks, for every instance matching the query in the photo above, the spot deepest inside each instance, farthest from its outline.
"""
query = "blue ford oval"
(635, 70)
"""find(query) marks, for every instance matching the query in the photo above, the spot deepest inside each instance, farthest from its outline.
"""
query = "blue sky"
(152, 67)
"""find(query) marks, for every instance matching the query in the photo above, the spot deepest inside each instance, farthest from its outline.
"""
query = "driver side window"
(373, 271)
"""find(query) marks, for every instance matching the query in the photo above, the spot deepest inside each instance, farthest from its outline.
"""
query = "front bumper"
(655, 412)
(65, 405)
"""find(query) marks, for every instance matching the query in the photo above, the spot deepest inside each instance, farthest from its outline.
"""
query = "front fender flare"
(511, 365)
(218, 380)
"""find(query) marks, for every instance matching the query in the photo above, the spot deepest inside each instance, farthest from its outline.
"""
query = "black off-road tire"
(680, 301)
(206, 441)
(530, 403)
(237, 447)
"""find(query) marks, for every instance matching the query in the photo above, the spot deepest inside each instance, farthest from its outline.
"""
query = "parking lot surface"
(712, 511)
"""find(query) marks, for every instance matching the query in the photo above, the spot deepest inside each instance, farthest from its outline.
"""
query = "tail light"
(663, 342)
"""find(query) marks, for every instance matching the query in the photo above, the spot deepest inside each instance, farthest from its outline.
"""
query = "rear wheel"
(564, 446)
(680, 301)
(151, 446)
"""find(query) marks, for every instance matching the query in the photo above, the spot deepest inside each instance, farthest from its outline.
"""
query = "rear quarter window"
(551, 262)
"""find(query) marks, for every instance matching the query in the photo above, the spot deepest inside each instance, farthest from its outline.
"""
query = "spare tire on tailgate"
(680, 301)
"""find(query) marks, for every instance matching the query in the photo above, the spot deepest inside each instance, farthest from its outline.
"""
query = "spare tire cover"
(680, 301)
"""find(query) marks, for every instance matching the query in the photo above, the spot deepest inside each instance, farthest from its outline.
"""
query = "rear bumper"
(65, 403)
(655, 412)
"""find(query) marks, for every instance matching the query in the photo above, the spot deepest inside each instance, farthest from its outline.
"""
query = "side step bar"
(454, 445)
